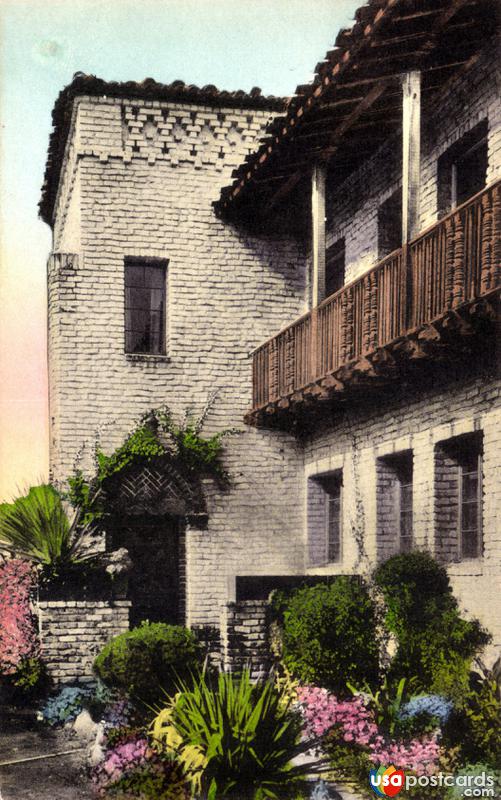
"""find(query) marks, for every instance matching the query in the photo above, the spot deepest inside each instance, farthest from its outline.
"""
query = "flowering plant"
(351, 722)
(134, 769)
(432, 704)
(18, 638)
(65, 705)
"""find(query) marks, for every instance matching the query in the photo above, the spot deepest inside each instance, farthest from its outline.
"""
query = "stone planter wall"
(247, 637)
(72, 632)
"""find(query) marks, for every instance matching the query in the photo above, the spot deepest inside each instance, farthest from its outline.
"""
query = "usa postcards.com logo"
(387, 781)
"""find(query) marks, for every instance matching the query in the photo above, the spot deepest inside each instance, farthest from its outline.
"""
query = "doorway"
(154, 544)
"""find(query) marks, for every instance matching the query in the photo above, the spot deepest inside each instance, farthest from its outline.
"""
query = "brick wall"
(420, 420)
(147, 174)
(73, 632)
(247, 637)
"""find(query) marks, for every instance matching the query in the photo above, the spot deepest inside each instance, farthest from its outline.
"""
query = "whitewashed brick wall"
(418, 420)
(145, 176)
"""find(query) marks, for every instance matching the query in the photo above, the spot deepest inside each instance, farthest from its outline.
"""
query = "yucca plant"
(37, 527)
(235, 740)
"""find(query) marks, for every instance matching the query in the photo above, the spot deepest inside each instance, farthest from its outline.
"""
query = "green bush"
(329, 634)
(148, 661)
(235, 740)
(475, 728)
(435, 645)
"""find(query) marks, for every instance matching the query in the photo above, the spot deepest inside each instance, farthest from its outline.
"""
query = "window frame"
(162, 265)
(451, 464)
(334, 491)
(462, 470)
(322, 489)
(447, 182)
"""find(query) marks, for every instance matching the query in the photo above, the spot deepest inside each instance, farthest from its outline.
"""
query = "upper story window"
(145, 305)
(335, 261)
(325, 525)
(458, 497)
(394, 504)
(462, 169)
(389, 225)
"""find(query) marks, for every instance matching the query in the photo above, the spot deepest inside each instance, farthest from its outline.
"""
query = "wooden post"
(318, 233)
(318, 258)
(411, 169)
(411, 156)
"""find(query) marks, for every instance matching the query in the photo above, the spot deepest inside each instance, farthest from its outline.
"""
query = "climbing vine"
(156, 434)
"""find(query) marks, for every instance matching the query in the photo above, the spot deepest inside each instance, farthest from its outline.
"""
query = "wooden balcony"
(421, 302)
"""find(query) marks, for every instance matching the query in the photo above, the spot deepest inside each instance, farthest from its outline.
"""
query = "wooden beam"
(284, 190)
(318, 177)
(448, 13)
(369, 100)
(411, 155)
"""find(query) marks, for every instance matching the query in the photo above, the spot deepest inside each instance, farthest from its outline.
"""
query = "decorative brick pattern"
(73, 632)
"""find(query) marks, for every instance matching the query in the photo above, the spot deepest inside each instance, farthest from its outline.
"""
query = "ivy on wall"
(156, 435)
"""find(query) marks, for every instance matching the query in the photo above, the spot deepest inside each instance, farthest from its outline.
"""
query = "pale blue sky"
(234, 44)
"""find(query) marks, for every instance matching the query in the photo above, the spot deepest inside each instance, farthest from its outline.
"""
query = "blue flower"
(433, 704)
(65, 705)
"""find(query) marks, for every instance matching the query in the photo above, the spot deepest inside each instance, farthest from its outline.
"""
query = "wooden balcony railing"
(452, 263)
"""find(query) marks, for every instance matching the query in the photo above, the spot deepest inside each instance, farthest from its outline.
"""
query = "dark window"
(404, 483)
(470, 502)
(145, 306)
(389, 237)
(462, 169)
(458, 479)
(334, 267)
(394, 504)
(325, 518)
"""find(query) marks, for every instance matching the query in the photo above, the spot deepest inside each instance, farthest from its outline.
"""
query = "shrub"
(234, 740)
(329, 634)
(18, 639)
(435, 645)
(475, 727)
(147, 662)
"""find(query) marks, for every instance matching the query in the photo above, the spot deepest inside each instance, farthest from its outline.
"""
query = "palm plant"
(38, 527)
(234, 741)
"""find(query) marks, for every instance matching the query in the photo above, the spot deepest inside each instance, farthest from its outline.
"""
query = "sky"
(234, 44)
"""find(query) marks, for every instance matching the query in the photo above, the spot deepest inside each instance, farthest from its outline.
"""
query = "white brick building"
(371, 425)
